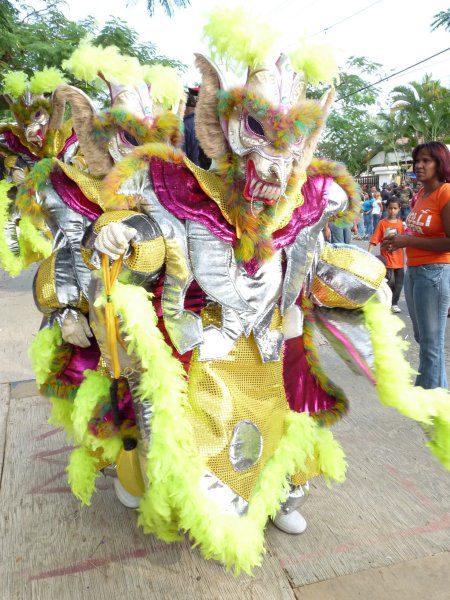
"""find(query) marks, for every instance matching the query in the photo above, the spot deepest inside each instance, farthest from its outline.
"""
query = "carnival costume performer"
(61, 193)
(33, 136)
(226, 412)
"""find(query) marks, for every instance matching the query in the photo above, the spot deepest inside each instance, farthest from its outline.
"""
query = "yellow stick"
(109, 279)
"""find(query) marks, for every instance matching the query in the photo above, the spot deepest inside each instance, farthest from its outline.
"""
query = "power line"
(392, 75)
(358, 12)
(435, 64)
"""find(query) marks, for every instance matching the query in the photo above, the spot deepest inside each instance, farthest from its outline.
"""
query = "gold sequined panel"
(114, 216)
(10, 161)
(88, 184)
(83, 303)
(313, 470)
(239, 388)
(86, 255)
(45, 290)
(102, 367)
(366, 267)
(214, 187)
(61, 135)
(148, 256)
(327, 296)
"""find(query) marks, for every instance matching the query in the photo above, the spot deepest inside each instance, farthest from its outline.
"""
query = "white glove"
(384, 293)
(114, 239)
(292, 322)
(75, 330)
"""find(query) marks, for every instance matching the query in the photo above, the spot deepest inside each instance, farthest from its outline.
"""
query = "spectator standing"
(385, 196)
(427, 281)
(360, 222)
(376, 210)
(395, 260)
(367, 215)
(191, 146)
(340, 235)
(405, 194)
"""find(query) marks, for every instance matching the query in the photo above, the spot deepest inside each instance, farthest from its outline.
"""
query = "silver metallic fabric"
(60, 315)
(70, 153)
(247, 302)
(269, 342)
(222, 495)
(303, 253)
(72, 276)
(11, 232)
(212, 269)
(346, 284)
(184, 327)
(350, 324)
(297, 496)
(246, 446)
(67, 284)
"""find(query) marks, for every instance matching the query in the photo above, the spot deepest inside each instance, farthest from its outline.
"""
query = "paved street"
(383, 534)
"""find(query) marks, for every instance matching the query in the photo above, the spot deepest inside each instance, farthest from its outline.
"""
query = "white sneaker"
(125, 497)
(293, 522)
(396, 309)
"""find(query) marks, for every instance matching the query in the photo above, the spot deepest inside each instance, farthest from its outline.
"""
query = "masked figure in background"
(23, 144)
(61, 196)
(33, 136)
(220, 406)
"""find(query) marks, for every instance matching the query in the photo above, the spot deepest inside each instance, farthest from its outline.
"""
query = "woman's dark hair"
(439, 152)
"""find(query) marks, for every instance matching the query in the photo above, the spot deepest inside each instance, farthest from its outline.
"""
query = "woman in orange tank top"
(427, 281)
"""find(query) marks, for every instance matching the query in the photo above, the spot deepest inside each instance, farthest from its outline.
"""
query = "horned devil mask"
(262, 136)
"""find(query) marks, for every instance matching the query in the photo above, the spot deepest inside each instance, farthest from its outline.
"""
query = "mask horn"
(311, 142)
(207, 124)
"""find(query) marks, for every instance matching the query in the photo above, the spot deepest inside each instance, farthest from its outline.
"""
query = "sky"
(395, 33)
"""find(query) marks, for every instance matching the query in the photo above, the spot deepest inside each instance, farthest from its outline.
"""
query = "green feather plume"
(15, 83)
(317, 63)
(166, 85)
(87, 61)
(46, 80)
(238, 38)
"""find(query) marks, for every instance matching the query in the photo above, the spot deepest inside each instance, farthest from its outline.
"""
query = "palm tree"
(169, 6)
(388, 130)
(441, 19)
(425, 108)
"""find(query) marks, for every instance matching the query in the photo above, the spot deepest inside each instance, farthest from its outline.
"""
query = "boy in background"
(395, 261)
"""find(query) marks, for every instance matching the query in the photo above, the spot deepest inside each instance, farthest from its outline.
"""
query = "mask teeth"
(280, 169)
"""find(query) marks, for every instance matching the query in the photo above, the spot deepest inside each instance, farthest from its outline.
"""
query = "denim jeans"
(368, 223)
(375, 221)
(361, 230)
(404, 212)
(427, 292)
(340, 235)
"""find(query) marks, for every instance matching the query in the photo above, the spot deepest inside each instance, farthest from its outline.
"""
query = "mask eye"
(255, 126)
(38, 114)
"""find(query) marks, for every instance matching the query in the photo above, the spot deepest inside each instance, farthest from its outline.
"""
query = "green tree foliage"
(31, 39)
(424, 109)
(169, 6)
(389, 135)
(350, 128)
(441, 19)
